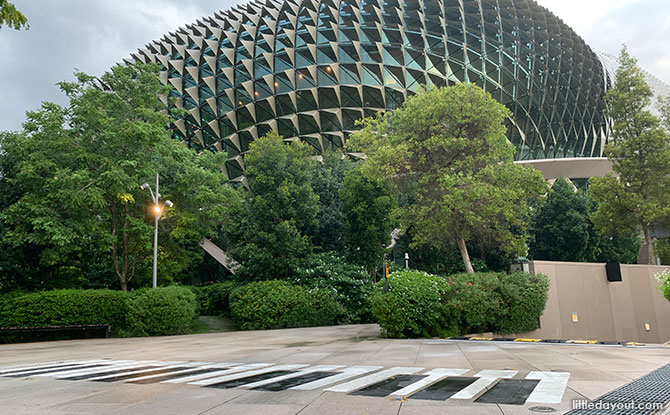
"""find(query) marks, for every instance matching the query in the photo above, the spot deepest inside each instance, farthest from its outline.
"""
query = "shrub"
(280, 304)
(161, 311)
(663, 278)
(63, 308)
(523, 298)
(424, 305)
(414, 306)
(213, 299)
(476, 299)
(350, 284)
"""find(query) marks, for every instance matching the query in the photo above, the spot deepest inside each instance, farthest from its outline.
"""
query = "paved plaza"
(323, 370)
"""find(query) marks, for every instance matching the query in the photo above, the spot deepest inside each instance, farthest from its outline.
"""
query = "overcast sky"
(92, 35)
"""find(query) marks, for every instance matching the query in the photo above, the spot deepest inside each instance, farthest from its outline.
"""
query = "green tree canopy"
(268, 231)
(640, 153)
(560, 229)
(367, 205)
(74, 177)
(327, 182)
(448, 148)
(12, 17)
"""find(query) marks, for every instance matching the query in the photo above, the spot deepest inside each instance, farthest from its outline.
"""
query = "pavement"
(321, 371)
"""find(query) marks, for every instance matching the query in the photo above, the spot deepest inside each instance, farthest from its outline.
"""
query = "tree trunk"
(465, 255)
(115, 254)
(650, 246)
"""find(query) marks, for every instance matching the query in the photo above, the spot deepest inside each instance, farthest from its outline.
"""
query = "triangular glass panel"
(394, 76)
(308, 124)
(325, 76)
(304, 58)
(244, 118)
(371, 75)
(348, 54)
(304, 79)
(286, 129)
(349, 75)
(329, 122)
(328, 98)
(306, 101)
(263, 111)
(372, 97)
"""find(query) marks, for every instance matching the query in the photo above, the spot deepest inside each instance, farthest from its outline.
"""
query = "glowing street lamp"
(158, 212)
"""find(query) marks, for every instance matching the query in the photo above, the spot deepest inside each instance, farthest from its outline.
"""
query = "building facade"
(309, 69)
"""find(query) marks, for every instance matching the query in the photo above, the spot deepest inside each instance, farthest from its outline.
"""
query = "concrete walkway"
(594, 370)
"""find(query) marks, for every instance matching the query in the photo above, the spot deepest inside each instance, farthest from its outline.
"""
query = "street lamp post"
(158, 212)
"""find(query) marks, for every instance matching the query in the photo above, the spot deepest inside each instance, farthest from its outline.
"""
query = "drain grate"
(644, 396)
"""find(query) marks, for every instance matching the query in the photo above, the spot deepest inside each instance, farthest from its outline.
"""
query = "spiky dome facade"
(309, 69)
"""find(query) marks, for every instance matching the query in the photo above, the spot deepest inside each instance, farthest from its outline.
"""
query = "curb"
(555, 341)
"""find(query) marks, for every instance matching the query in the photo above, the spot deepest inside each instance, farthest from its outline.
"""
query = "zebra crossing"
(485, 386)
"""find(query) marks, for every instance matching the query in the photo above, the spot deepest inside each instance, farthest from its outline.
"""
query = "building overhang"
(571, 168)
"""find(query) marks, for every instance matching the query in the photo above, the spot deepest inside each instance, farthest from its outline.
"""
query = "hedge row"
(160, 311)
(423, 305)
(213, 300)
(279, 304)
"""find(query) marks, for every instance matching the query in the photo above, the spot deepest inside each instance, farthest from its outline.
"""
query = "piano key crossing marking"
(544, 387)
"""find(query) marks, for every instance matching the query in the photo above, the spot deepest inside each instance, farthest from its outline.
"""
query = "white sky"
(92, 35)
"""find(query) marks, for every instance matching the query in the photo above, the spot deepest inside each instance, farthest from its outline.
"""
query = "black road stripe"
(298, 380)
(175, 375)
(388, 386)
(509, 392)
(444, 389)
(112, 371)
(40, 372)
(249, 379)
(138, 375)
(64, 366)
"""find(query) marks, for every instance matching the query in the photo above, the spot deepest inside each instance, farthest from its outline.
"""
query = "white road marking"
(486, 377)
(346, 373)
(235, 368)
(301, 372)
(74, 366)
(241, 375)
(70, 372)
(186, 371)
(551, 387)
(373, 378)
(163, 365)
(549, 390)
(433, 376)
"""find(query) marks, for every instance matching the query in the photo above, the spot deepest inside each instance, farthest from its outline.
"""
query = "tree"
(640, 153)
(664, 109)
(78, 172)
(268, 230)
(327, 182)
(560, 228)
(367, 205)
(12, 17)
(447, 147)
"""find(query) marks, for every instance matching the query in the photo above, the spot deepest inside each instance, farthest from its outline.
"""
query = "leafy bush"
(476, 299)
(350, 284)
(161, 311)
(663, 278)
(414, 306)
(523, 298)
(63, 308)
(213, 299)
(279, 304)
(424, 305)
